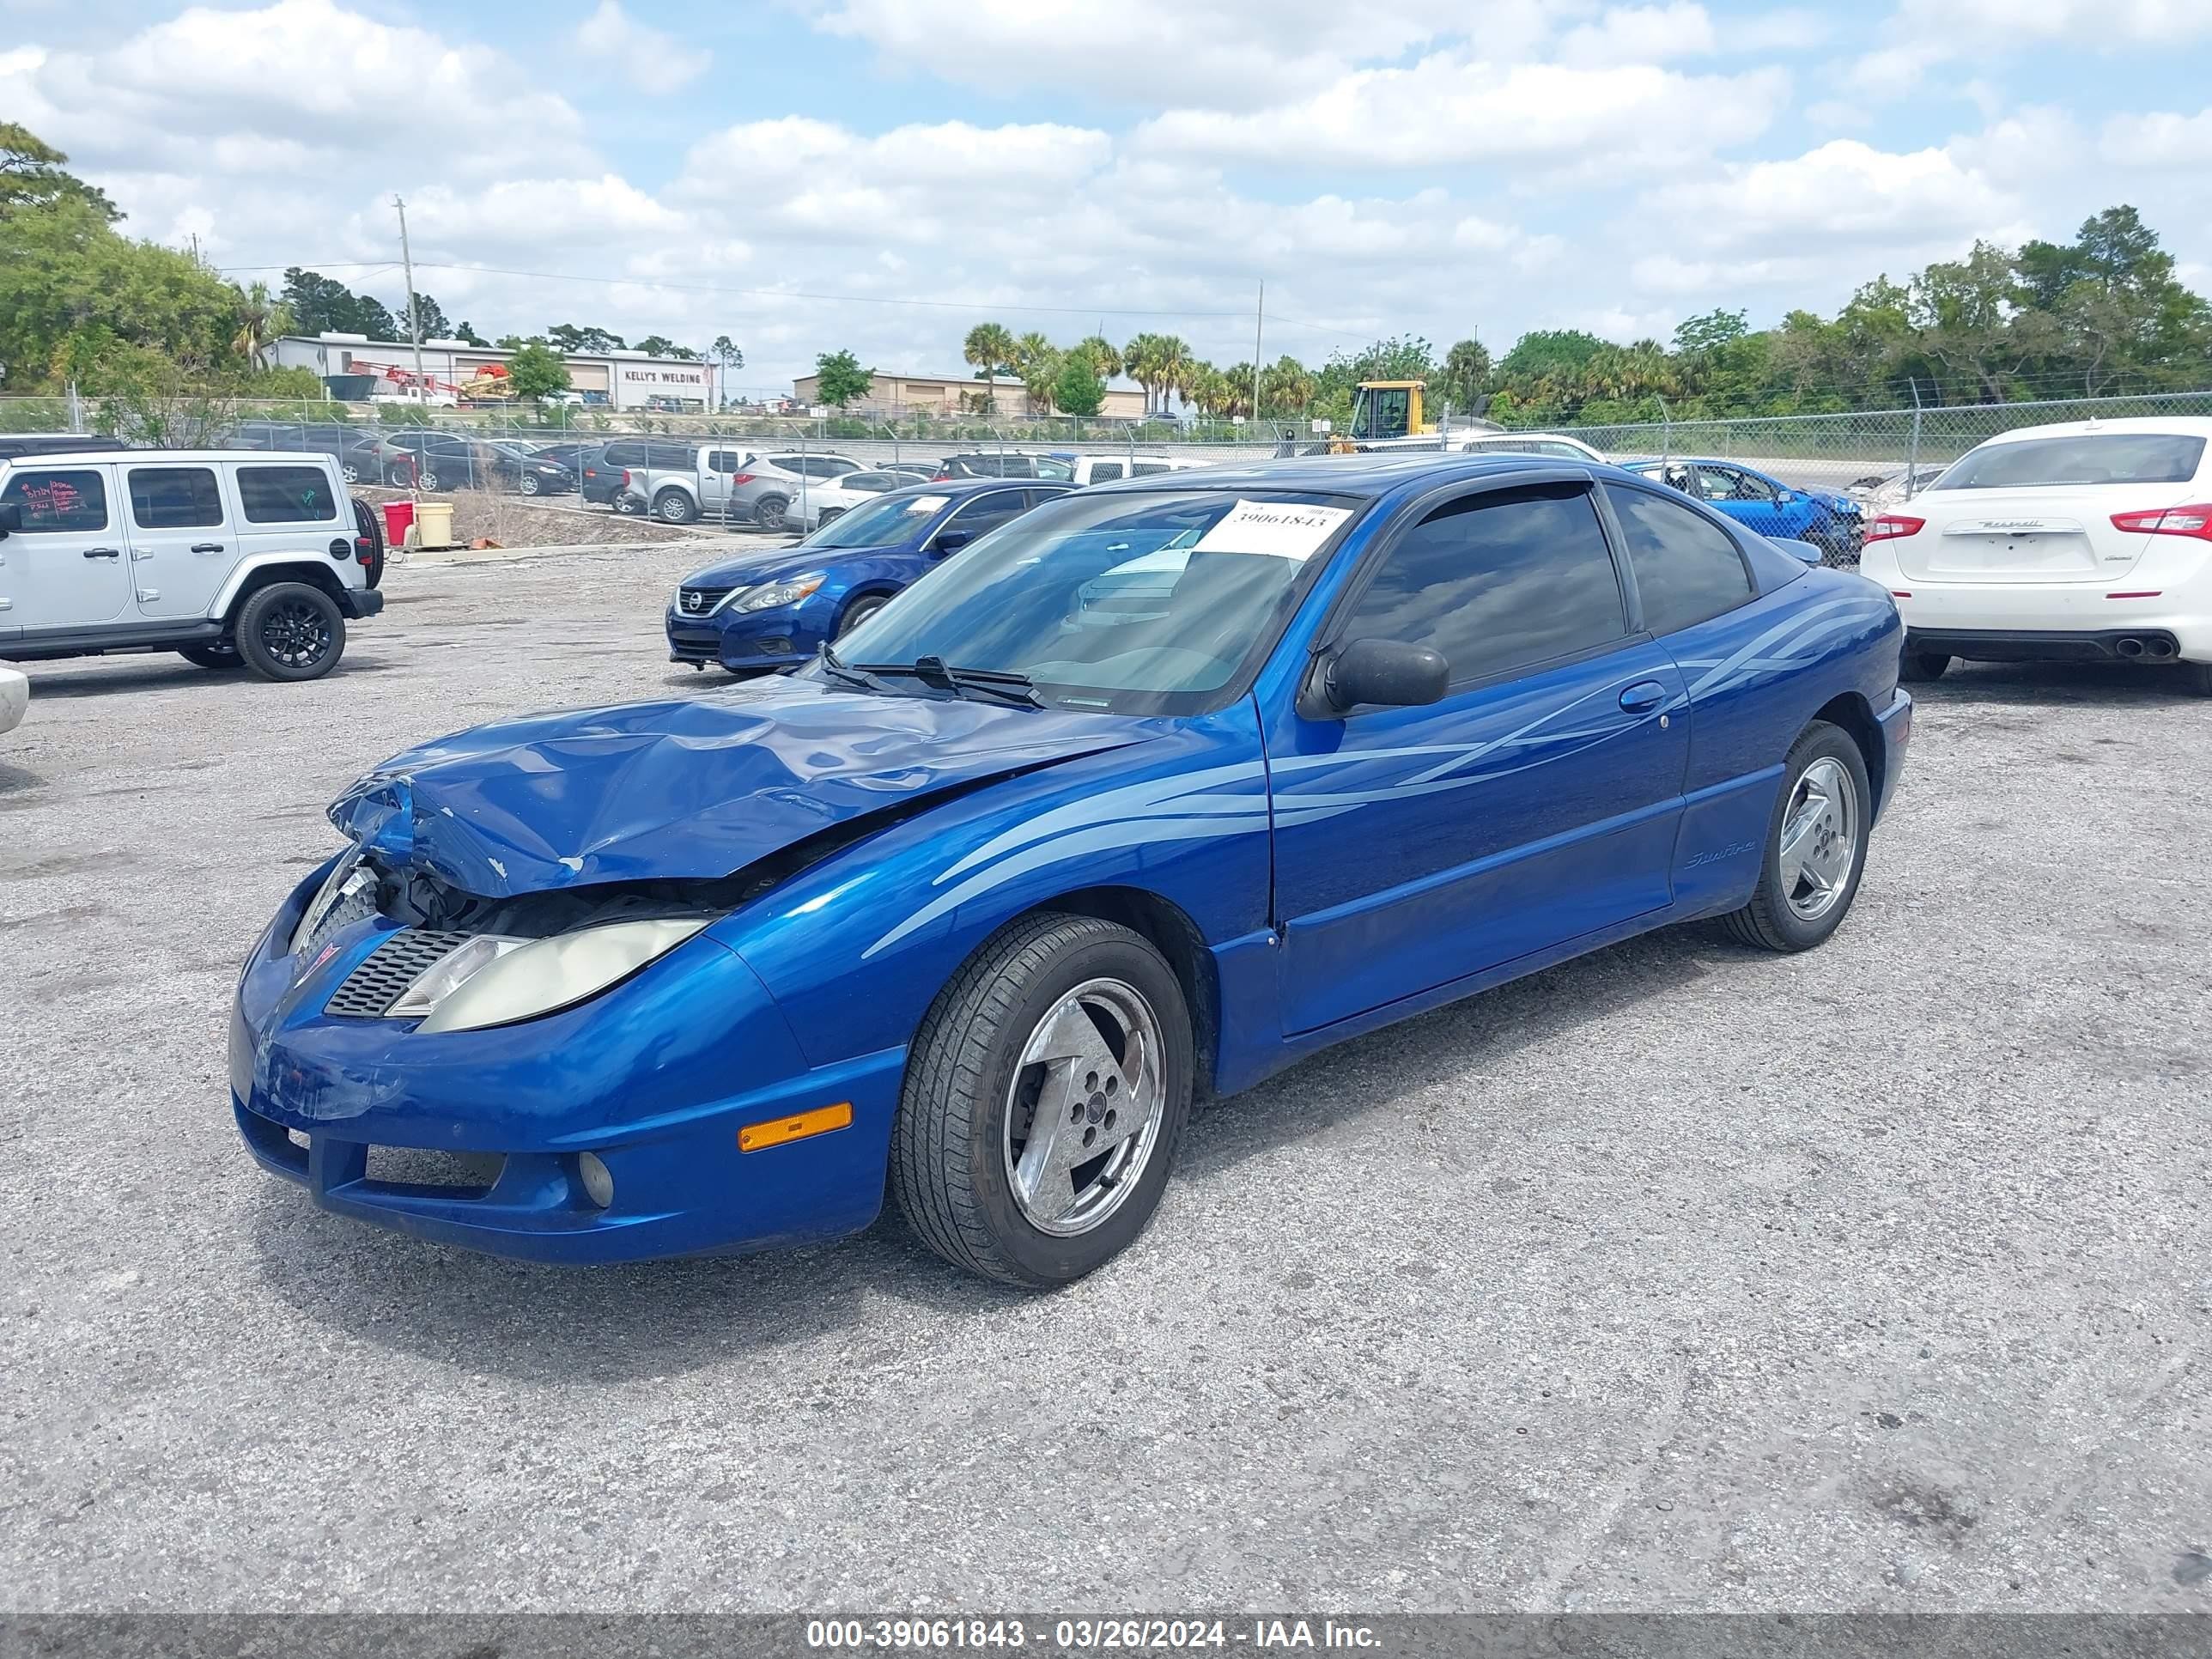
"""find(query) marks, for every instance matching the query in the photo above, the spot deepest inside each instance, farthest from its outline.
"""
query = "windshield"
(2083, 458)
(893, 519)
(1138, 604)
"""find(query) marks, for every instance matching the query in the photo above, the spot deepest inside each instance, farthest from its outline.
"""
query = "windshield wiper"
(934, 671)
(835, 666)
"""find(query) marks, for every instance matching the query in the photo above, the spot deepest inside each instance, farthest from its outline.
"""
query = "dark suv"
(602, 469)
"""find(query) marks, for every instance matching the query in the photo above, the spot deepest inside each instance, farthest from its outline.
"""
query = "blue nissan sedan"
(774, 609)
(1153, 791)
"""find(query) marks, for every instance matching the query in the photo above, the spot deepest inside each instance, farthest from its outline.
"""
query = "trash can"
(433, 524)
(398, 516)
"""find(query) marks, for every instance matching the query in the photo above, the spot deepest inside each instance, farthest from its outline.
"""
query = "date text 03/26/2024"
(950, 1634)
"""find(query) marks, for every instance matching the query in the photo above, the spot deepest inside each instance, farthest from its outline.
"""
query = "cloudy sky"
(800, 174)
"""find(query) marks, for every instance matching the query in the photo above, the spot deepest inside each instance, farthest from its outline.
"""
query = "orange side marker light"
(778, 1131)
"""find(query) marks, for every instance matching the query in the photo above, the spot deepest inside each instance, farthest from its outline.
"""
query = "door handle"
(207, 547)
(1642, 697)
(103, 553)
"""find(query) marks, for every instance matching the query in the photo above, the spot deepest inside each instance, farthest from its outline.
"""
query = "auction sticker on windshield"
(1288, 530)
(927, 503)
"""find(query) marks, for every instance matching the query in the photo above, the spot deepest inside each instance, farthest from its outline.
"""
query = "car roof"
(1370, 473)
(166, 457)
(2178, 425)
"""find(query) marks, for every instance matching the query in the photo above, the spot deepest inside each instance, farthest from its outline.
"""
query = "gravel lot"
(1674, 1278)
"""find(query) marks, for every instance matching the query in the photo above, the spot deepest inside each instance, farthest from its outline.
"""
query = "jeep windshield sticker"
(927, 503)
(1284, 530)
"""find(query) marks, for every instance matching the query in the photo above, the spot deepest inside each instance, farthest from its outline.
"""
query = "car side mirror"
(12, 519)
(1386, 672)
(951, 541)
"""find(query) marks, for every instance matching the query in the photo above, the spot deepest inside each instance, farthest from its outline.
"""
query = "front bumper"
(362, 602)
(654, 1078)
(745, 640)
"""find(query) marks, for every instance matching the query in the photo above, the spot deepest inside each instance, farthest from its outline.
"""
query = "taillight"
(625, 484)
(736, 478)
(2194, 521)
(942, 478)
(1888, 526)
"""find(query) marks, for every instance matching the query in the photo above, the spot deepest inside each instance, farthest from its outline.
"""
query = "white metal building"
(614, 380)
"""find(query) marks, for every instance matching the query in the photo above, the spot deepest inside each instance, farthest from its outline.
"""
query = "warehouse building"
(954, 394)
(353, 366)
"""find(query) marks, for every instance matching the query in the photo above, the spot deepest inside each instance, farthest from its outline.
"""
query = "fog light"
(598, 1181)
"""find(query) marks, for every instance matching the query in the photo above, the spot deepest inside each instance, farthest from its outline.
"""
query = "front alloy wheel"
(1045, 1093)
(1815, 845)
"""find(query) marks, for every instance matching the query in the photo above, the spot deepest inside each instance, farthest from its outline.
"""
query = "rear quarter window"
(1688, 569)
(286, 494)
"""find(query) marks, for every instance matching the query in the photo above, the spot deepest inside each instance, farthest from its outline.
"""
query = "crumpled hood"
(693, 789)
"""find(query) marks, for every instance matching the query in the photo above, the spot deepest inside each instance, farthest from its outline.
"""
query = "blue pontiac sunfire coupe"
(1153, 790)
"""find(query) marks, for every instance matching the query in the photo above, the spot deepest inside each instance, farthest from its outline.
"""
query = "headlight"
(777, 595)
(494, 980)
(347, 886)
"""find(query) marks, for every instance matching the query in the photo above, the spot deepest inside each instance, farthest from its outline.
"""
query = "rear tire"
(1917, 667)
(220, 658)
(290, 631)
(1006, 1040)
(1816, 843)
(2196, 678)
(768, 511)
(674, 507)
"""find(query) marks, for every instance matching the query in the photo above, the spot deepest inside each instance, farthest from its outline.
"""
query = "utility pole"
(414, 312)
(1258, 322)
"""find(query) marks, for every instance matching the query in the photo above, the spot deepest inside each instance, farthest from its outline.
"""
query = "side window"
(59, 502)
(674, 458)
(1687, 569)
(838, 466)
(725, 460)
(1147, 469)
(622, 455)
(286, 494)
(1105, 471)
(1495, 584)
(174, 497)
(867, 484)
(983, 513)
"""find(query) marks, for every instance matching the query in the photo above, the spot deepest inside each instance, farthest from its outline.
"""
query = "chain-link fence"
(1814, 478)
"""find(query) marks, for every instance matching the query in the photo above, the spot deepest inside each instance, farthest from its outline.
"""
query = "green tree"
(1078, 389)
(536, 372)
(659, 345)
(466, 330)
(430, 318)
(1287, 389)
(1036, 362)
(1465, 376)
(989, 350)
(32, 175)
(585, 341)
(320, 305)
(1102, 355)
(261, 319)
(842, 380)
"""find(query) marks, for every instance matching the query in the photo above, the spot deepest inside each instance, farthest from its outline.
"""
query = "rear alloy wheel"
(674, 507)
(767, 513)
(290, 631)
(221, 655)
(858, 613)
(1917, 667)
(1815, 845)
(429, 480)
(349, 472)
(1045, 1094)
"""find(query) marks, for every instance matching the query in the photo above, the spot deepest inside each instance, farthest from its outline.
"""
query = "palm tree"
(1139, 359)
(1175, 361)
(1103, 355)
(990, 348)
(1466, 374)
(1237, 390)
(1285, 387)
(1036, 360)
(261, 318)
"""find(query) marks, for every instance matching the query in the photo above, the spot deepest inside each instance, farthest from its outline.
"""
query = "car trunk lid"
(2061, 533)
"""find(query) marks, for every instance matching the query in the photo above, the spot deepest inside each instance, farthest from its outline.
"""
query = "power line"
(753, 293)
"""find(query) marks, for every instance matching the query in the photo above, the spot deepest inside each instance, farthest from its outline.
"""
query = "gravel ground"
(1675, 1277)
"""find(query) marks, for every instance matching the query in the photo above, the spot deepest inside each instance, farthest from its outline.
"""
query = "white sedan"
(2081, 541)
(14, 698)
(822, 500)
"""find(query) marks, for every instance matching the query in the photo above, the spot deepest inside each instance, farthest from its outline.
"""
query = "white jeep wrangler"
(230, 557)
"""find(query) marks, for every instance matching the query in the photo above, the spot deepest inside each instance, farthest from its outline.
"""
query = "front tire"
(531, 483)
(1045, 1095)
(1816, 843)
(427, 480)
(674, 507)
(290, 631)
(1917, 667)
(858, 613)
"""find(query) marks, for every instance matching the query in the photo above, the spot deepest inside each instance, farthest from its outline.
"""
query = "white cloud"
(1455, 107)
(1922, 35)
(646, 57)
(2158, 140)
(1641, 34)
(1231, 54)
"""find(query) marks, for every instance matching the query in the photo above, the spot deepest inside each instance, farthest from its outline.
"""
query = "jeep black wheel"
(290, 631)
